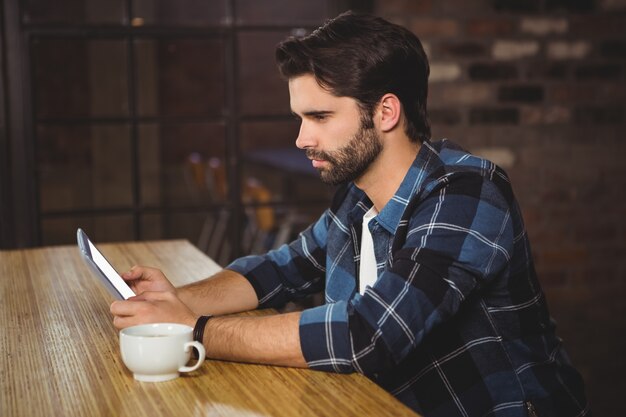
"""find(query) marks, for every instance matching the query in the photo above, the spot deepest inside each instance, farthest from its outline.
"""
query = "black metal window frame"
(20, 219)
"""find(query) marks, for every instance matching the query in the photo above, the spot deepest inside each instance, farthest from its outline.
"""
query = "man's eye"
(320, 117)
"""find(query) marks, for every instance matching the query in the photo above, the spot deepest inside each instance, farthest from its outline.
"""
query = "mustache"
(319, 155)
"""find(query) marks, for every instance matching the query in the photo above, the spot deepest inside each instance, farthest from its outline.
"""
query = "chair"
(260, 217)
(209, 176)
(265, 227)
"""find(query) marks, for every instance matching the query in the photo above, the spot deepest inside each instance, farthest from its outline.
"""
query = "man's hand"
(156, 301)
(151, 307)
(142, 279)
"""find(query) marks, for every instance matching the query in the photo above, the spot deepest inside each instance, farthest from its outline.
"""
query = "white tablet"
(102, 268)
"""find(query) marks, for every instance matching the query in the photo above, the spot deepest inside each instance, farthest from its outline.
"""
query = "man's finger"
(133, 273)
(154, 296)
(122, 322)
(126, 308)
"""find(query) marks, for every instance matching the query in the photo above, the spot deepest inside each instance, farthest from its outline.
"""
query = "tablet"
(102, 268)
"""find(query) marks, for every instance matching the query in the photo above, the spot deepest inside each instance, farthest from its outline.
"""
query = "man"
(429, 282)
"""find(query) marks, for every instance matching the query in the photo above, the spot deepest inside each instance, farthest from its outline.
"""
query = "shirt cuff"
(263, 278)
(325, 338)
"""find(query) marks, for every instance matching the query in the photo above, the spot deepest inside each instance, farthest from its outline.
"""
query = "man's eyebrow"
(313, 113)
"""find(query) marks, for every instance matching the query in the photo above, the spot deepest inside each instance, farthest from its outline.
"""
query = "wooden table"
(60, 352)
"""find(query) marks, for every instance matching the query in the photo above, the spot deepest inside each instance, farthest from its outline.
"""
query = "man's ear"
(390, 112)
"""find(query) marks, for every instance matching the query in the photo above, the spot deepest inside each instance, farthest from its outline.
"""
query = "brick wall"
(538, 87)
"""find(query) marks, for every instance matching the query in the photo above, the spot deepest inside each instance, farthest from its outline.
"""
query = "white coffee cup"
(158, 352)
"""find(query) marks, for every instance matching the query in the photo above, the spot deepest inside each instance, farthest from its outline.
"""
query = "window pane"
(271, 157)
(268, 134)
(175, 12)
(285, 174)
(208, 230)
(151, 226)
(180, 77)
(262, 90)
(85, 166)
(101, 228)
(266, 147)
(74, 11)
(291, 12)
(80, 78)
(176, 160)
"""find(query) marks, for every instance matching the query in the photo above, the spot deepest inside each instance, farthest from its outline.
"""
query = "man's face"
(332, 132)
(349, 162)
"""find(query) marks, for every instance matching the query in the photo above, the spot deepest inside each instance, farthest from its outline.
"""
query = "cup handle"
(201, 355)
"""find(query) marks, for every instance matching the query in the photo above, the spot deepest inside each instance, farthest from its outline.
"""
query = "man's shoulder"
(456, 158)
(455, 163)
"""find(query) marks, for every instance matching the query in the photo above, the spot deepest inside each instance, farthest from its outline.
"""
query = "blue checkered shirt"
(456, 323)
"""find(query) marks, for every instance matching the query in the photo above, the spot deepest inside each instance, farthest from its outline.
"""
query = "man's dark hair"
(364, 57)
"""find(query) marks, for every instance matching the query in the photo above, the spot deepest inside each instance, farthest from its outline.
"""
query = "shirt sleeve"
(459, 237)
(290, 272)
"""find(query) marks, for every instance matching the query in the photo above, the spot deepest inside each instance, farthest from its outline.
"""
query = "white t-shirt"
(367, 269)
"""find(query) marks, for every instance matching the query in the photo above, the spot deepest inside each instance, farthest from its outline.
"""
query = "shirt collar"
(425, 162)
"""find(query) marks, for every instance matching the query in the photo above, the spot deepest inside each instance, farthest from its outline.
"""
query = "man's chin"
(329, 180)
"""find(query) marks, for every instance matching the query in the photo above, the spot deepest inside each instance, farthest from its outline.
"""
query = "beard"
(352, 160)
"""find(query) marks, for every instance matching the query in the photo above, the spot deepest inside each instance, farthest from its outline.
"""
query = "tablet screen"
(103, 269)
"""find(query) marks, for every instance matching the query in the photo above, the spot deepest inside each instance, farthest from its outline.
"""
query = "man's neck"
(383, 178)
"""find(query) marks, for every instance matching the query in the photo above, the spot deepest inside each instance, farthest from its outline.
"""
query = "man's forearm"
(224, 293)
(272, 340)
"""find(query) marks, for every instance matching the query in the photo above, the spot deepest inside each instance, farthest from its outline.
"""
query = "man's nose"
(305, 139)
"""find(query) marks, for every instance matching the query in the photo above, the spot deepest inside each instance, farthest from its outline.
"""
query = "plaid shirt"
(456, 323)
